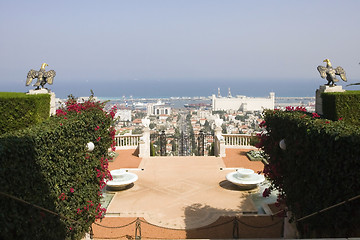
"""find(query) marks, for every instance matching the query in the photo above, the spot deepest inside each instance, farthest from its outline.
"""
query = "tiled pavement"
(183, 193)
(180, 192)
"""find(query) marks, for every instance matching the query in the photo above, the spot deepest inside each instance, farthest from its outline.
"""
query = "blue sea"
(184, 88)
(187, 88)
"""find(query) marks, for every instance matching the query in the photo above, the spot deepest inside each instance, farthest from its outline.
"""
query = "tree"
(224, 130)
(240, 117)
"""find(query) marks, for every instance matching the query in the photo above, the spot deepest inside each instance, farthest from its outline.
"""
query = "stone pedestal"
(52, 98)
(219, 145)
(322, 89)
(144, 147)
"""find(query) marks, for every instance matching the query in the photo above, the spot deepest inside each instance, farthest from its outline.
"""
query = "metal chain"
(117, 226)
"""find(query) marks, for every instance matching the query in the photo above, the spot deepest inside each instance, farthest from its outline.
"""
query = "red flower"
(340, 119)
(289, 108)
(98, 139)
(60, 112)
(72, 190)
(301, 109)
(266, 192)
(62, 196)
(315, 115)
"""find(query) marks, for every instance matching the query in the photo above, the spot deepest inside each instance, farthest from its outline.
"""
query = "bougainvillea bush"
(317, 167)
(49, 165)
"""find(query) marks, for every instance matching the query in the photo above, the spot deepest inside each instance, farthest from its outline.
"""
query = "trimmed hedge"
(19, 110)
(49, 165)
(344, 105)
(319, 168)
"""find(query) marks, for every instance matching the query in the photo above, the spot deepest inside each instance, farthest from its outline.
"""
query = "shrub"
(49, 165)
(318, 168)
(344, 105)
(19, 110)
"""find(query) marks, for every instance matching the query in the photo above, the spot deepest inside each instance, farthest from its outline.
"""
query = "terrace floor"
(181, 194)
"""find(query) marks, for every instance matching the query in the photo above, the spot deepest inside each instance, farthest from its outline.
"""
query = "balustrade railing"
(237, 140)
(127, 141)
(229, 141)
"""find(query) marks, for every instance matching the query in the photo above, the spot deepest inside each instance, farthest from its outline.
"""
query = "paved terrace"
(184, 193)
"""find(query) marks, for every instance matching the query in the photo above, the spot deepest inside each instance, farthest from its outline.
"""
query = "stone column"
(52, 98)
(144, 146)
(322, 89)
(219, 139)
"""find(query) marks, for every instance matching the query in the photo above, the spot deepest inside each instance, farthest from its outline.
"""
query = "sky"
(179, 47)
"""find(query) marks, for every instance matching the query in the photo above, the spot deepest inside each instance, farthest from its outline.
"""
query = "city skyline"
(138, 47)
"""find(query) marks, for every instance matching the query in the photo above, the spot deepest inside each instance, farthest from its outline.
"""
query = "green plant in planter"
(256, 155)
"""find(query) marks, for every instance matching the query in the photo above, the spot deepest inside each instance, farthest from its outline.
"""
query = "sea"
(182, 90)
(138, 89)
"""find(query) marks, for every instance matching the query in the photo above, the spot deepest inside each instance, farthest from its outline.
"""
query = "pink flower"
(72, 190)
(340, 119)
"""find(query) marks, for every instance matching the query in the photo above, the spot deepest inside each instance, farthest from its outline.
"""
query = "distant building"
(124, 115)
(157, 109)
(242, 103)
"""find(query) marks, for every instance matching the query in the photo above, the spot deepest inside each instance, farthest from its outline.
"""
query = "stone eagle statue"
(42, 76)
(330, 73)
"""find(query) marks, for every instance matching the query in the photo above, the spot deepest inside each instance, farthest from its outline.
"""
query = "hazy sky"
(124, 42)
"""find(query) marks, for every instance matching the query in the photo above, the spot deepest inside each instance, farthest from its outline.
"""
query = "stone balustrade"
(127, 141)
(237, 140)
(221, 142)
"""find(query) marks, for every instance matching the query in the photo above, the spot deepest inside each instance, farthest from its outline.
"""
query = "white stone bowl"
(245, 178)
(121, 179)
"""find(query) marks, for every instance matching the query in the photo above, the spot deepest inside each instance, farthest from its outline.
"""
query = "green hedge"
(344, 105)
(319, 168)
(49, 165)
(19, 110)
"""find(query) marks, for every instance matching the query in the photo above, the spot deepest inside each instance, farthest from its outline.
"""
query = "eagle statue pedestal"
(52, 98)
(322, 89)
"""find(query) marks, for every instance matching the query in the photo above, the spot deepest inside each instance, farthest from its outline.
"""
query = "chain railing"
(235, 227)
(235, 230)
